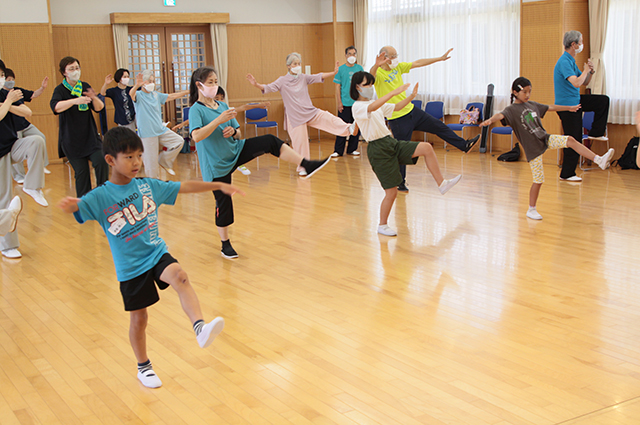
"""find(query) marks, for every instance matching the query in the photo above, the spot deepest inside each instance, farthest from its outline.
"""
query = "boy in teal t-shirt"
(344, 101)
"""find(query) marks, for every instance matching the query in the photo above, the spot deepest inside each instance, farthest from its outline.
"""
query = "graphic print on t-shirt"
(529, 120)
(392, 76)
(125, 212)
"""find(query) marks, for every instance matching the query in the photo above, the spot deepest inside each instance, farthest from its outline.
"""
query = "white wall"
(240, 11)
(24, 12)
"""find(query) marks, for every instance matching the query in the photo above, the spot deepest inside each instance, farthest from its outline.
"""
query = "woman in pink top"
(298, 109)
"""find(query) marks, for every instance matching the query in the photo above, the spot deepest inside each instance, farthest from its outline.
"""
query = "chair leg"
(490, 141)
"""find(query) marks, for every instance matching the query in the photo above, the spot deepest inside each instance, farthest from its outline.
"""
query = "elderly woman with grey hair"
(567, 80)
(154, 134)
(299, 112)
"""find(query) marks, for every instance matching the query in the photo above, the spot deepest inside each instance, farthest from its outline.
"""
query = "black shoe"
(228, 251)
(402, 187)
(471, 143)
(312, 167)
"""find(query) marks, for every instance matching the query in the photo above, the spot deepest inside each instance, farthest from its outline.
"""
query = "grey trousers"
(18, 171)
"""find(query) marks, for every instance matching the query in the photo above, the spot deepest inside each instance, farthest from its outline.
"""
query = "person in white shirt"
(386, 153)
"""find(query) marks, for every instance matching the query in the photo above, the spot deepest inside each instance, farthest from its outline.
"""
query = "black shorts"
(140, 292)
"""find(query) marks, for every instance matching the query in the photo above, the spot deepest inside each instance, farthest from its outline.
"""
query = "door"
(173, 52)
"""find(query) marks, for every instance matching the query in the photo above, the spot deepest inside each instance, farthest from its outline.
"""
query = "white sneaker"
(384, 229)
(533, 214)
(149, 379)
(12, 253)
(37, 196)
(605, 160)
(19, 180)
(210, 331)
(335, 155)
(46, 171)
(574, 179)
(244, 170)
(448, 184)
(355, 153)
(15, 206)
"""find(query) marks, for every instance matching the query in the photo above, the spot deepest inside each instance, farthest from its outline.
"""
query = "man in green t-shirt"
(388, 71)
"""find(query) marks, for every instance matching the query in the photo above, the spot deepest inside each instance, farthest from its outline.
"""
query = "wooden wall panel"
(27, 50)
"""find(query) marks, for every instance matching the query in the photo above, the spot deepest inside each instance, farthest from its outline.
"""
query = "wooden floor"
(473, 314)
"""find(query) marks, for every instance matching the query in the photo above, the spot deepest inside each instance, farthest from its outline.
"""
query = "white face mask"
(351, 59)
(2, 80)
(124, 80)
(150, 87)
(394, 63)
(296, 70)
(8, 84)
(366, 92)
(580, 47)
(73, 75)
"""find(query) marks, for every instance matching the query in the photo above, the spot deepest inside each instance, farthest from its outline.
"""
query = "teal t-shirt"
(343, 77)
(566, 93)
(217, 155)
(149, 113)
(128, 214)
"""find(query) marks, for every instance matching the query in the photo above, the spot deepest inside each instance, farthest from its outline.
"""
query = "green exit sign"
(169, 2)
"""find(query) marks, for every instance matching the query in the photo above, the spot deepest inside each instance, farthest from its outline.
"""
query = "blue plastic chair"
(500, 130)
(587, 124)
(435, 108)
(258, 118)
(461, 127)
(186, 148)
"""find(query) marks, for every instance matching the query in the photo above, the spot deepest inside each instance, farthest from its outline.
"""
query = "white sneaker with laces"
(12, 253)
(605, 160)
(46, 171)
(574, 179)
(15, 206)
(244, 170)
(37, 196)
(384, 229)
(149, 379)
(210, 331)
(533, 214)
(446, 185)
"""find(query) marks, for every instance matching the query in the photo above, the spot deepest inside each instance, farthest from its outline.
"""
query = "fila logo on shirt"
(130, 212)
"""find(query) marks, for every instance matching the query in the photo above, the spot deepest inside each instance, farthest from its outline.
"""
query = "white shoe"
(46, 171)
(15, 206)
(355, 153)
(12, 253)
(384, 229)
(448, 184)
(533, 214)
(244, 170)
(149, 379)
(37, 196)
(605, 160)
(210, 331)
(574, 179)
(19, 180)
(302, 173)
(335, 155)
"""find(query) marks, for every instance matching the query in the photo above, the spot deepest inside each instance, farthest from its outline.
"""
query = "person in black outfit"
(78, 137)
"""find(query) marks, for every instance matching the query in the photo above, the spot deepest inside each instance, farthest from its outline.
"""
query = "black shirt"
(78, 135)
(20, 122)
(124, 112)
(8, 134)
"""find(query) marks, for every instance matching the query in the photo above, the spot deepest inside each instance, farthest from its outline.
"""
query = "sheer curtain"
(622, 58)
(485, 35)
(360, 15)
(121, 45)
(598, 20)
(220, 53)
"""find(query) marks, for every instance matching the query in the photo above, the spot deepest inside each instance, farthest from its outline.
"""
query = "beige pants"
(153, 145)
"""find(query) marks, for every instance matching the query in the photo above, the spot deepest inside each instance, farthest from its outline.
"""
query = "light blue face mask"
(9, 84)
(366, 92)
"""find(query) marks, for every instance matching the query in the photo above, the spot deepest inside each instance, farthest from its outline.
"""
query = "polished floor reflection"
(473, 314)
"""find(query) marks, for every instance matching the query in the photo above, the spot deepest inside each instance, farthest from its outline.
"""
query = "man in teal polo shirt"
(344, 101)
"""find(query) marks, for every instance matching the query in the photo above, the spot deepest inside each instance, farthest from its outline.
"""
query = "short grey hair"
(147, 74)
(292, 57)
(571, 37)
(385, 50)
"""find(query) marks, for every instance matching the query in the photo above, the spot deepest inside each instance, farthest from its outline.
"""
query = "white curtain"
(220, 54)
(485, 36)
(598, 19)
(360, 15)
(622, 57)
(121, 45)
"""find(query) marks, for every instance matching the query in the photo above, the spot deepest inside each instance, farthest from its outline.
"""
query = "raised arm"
(95, 100)
(21, 110)
(107, 80)
(573, 108)
(7, 105)
(43, 86)
(497, 117)
(424, 62)
(376, 104)
(174, 96)
(251, 79)
(194, 186)
(404, 102)
(139, 83)
(584, 78)
(327, 75)
(381, 59)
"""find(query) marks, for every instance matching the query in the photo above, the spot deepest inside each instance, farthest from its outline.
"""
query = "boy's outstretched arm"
(69, 204)
(195, 186)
